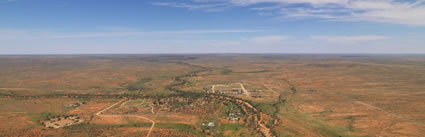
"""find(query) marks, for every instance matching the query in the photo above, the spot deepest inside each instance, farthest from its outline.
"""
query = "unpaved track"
(262, 83)
(246, 105)
(123, 104)
(137, 116)
(221, 106)
(243, 89)
(394, 115)
(391, 114)
(152, 109)
(263, 129)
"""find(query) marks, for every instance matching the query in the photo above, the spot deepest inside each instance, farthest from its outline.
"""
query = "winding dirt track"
(137, 116)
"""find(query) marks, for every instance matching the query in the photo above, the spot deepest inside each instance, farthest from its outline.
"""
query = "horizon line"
(255, 53)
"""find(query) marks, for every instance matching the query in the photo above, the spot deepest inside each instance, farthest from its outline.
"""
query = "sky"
(211, 26)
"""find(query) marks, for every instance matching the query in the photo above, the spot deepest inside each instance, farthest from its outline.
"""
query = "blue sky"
(211, 26)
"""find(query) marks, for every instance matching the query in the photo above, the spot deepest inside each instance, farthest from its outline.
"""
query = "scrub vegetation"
(213, 95)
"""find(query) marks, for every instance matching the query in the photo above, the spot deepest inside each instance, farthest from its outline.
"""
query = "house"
(233, 117)
(210, 124)
(74, 105)
(314, 91)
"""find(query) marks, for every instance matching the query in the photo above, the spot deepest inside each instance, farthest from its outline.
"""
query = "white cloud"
(410, 12)
(349, 39)
(315, 2)
(269, 39)
(185, 5)
(380, 11)
(376, 4)
(266, 8)
(43, 34)
(209, 7)
(397, 13)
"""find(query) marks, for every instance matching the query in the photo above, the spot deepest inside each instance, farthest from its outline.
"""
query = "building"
(210, 124)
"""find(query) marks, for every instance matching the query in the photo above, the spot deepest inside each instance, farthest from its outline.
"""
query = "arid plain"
(213, 95)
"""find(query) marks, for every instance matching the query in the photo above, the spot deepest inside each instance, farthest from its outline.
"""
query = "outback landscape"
(213, 95)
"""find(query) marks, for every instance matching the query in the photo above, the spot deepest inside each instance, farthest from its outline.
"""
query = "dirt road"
(394, 115)
(262, 83)
(137, 116)
(243, 89)
(245, 106)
